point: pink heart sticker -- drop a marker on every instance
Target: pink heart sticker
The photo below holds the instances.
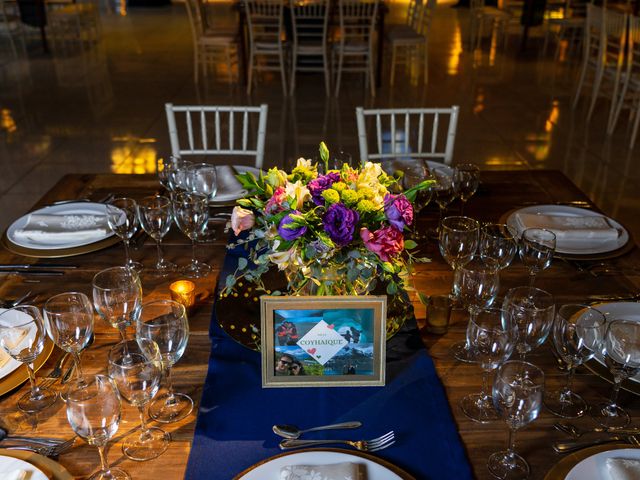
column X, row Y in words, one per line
column 331, row 326
column 311, row 351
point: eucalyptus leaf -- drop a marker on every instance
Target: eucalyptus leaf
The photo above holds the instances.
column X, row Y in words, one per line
column 242, row 263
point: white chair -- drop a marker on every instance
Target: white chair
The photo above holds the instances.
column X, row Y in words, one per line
column 480, row 15
column 266, row 38
column 565, row 25
column 426, row 133
column 11, row 31
column 218, row 131
column 354, row 51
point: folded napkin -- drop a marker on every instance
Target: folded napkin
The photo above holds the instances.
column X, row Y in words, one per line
column 569, row 228
column 337, row 471
column 49, row 229
column 14, row 475
column 229, row 187
column 4, row 358
column 623, row 468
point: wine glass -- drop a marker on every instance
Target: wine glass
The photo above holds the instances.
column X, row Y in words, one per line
column 165, row 323
column 577, row 336
column 94, row 411
column 22, row 336
column 117, row 296
column 532, row 310
column 191, row 212
column 621, row 349
column 466, row 178
column 497, row 241
column 443, row 190
column 492, row 338
column 178, row 175
column 136, row 368
column 415, row 173
column 537, row 246
column 123, row 221
column 155, row 215
column 201, row 178
column 69, row 319
column 458, row 241
column 517, row 396
column 163, row 170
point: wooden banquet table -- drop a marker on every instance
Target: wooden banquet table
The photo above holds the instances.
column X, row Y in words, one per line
column 500, row 192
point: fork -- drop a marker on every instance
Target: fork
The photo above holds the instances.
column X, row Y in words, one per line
column 55, row 374
column 47, row 451
column 372, row 445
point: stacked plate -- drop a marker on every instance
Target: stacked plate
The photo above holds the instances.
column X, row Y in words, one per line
column 18, row 465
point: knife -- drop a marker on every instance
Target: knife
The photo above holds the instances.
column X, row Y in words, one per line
column 33, row 272
column 29, row 266
column 572, row 446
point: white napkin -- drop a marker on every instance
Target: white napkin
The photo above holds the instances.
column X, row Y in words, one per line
column 569, row 228
column 336, row 471
column 229, row 188
column 623, row 468
column 4, row 357
column 14, row 475
column 48, row 229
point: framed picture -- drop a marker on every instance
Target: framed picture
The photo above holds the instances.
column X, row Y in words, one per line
column 323, row 341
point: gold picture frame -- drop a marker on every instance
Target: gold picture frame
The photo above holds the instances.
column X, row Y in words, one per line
column 328, row 341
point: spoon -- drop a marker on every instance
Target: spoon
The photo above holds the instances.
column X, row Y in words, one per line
column 293, row 432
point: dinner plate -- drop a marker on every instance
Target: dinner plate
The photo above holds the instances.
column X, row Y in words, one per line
column 561, row 469
column 11, row 364
column 236, row 194
column 10, row 464
column 593, row 467
column 52, row 469
column 376, row 468
column 572, row 247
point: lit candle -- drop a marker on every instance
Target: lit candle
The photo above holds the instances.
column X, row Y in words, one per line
column 184, row 292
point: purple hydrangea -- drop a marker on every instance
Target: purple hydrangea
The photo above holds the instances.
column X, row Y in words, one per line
column 320, row 184
column 340, row 223
column 289, row 233
column 398, row 210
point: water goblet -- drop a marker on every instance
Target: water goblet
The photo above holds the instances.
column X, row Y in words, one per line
column 577, row 336
column 492, row 338
column 22, row 336
column 621, row 349
column 498, row 242
column 123, row 221
column 163, row 171
column 136, row 368
column 532, row 310
column 458, row 241
column 202, row 179
column 443, row 190
column 94, row 411
column 117, row 296
column 178, row 175
column 191, row 212
column 165, row 323
column 466, row 178
column 537, row 246
column 155, row 215
column 517, row 396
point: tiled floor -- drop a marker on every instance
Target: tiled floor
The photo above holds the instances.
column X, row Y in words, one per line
column 104, row 111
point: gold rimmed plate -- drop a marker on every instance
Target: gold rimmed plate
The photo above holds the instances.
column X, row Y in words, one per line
column 20, row 374
column 52, row 469
column 561, row 470
column 58, row 252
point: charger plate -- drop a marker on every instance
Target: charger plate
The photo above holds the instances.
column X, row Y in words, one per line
column 20, row 374
column 561, row 469
column 50, row 468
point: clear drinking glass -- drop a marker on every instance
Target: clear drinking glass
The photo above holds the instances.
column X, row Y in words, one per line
column 202, row 179
column 155, row 215
column 163, row 167
column 532, row 310
column 621, row 349
column 136, row 368
column 69, row 319
column 537, row 246
column 517, row 396
column 443, row 190
column 165, row 323
column 22, row 336
column 123, row 221
column 458, row 241
column 117, row 296
column 498, row 242
column 577, row 336
column 492, row 339
column 191, row 212
column 178, row 175
column 93, row 411
column 466, row 179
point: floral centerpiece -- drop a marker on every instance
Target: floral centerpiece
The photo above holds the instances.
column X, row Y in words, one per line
column 334, row 233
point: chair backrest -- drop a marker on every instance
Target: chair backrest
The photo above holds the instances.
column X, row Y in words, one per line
column 423, row 17
column 310, row 21
column 614, row 38
column 357, row 21
column 428, row 133
column 194, row 12
column 265, row 21
column 218, row 130
column 412, row 9
column 593, row 32
column 633, row 57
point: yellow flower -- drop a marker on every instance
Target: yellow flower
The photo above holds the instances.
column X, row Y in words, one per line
column 331, row 196
column 276, row 178
column 339, row 186
column 298, row 192
column 366, row 206
column 349, row 197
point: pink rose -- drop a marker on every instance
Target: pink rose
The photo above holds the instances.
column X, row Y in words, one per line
column 242, row 219
column 274, row 205
column 386, row 242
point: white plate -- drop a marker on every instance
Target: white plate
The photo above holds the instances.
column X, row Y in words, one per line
column 10, row 366
column 588, row 247
column 593, row 467
column 231, row 196
column 9, row 464
column 78, row 208
column 270, row 470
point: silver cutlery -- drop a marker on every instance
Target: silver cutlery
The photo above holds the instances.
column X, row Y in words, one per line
column 45, row 441
column 631, row 296
column 71, row 200
column 33, row 272
column 572, row 446
column 47, row 451
column 293, row 432
column 576, row 432
column 17, row 301
column 56, row 373
column 372, row 445
column 27, row 266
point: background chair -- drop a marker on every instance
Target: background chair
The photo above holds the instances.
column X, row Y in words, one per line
column 408, row 133
column 11, row 33
column 565, row 26
column 480, row 15
column 218, row 131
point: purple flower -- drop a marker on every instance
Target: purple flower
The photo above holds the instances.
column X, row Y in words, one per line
column 340, row 223
column 320, row 184
column 398, row 210
column 290, row 233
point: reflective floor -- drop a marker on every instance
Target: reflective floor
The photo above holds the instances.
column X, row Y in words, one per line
column 102, row 111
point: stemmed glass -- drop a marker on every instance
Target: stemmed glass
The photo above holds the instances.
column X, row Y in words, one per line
column 165, row 323
column 497, row 242
column 532, row 310
column 621, row 349
column 577, row 336
column 94, row 411
column 117, row 296
column 136, row 368
column 443, row 190
column 466, row 178
column 178, row 175
column 22, row 336
column 163, row 170
column 458, row 241
column 69, row 319
column 414, row 174
column 191, row 212
column 537, row 246
column 492, row 339
column 517, row 396
column 202, row 178
column 155, row 215
column 123, row 221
